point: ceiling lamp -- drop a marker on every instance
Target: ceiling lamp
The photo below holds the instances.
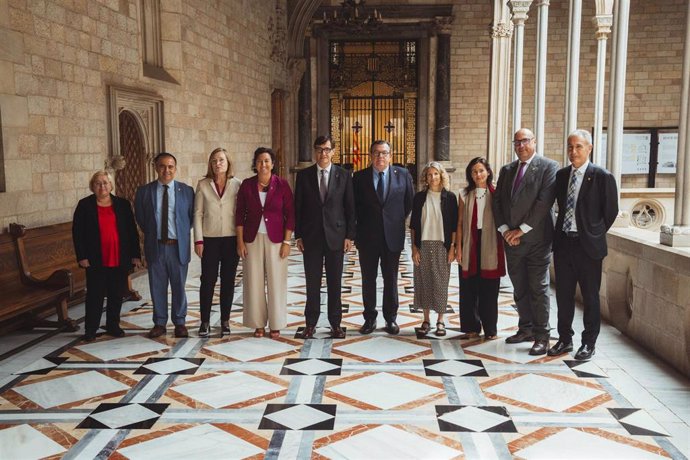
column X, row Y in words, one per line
column 353, row 16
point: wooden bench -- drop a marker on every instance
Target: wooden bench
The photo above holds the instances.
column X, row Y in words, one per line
column 50, row 247
column 25, row 292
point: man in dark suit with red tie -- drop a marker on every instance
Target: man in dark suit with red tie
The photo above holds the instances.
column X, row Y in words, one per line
column 324, row 229
column 383, row 200
column 587, row 199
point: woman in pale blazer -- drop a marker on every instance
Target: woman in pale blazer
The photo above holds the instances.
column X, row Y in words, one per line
column 215, row 239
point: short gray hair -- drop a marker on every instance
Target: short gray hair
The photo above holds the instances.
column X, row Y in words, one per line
column 583, row 133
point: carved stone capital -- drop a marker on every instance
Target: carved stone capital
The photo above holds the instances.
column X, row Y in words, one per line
column 295, row 71
column 603, row 23
column 519, row 10
column 442, row 25
column 502, row 30
column 541, row 3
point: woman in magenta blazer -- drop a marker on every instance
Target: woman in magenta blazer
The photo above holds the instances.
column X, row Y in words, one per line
column 265, row 219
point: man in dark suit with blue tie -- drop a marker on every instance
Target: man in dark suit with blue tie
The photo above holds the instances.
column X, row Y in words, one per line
column 324, row 230
column 383, row 200
column 522, row 211
column 587, row 199
column 164, row 210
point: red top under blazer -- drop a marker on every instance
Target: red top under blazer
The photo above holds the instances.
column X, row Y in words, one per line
column 278, row 213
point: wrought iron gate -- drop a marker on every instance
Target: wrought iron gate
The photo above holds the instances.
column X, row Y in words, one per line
column 373, row 95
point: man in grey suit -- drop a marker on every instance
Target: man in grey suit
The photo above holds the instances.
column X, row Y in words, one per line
column 324, row 229
column 522, row 209
column 164, row 210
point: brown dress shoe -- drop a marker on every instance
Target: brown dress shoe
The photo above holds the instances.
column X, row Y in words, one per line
column 156, row 331
column 181, row 331
column 337, row 332
column 308, row 332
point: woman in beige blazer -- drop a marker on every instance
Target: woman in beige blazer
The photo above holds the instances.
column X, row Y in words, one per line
column 215, row 239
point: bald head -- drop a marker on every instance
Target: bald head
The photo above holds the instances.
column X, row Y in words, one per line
column 524, row 144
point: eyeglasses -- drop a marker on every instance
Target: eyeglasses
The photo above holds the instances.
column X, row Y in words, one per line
column 380, row 154
column 525, row 141
column 325, row 150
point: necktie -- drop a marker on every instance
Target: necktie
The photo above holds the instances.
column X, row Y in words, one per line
column 379, row 187
column 164, row 214
column 323, row 186
column 520, row 174
column 570, row 203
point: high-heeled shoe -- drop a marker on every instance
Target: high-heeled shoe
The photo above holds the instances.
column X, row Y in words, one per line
column 274, row 334
column 259, row 332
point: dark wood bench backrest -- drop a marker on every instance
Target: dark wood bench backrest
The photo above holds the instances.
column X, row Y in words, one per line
column 9, row 268
column 49, row 248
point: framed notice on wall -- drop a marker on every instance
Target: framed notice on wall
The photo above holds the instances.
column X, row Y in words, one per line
column 649, row 151
column 636, row 148
column 668, row 153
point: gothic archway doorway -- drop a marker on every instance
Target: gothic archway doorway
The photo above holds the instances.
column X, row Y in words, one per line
column 373, row 88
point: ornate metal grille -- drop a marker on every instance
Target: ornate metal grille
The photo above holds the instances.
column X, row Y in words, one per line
column 132, row 149
column 373, row 88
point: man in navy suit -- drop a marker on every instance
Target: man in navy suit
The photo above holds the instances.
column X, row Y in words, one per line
column 522, row 211
column 587, row 199
column 324, row 230
column 383, row 200
column 164, row 210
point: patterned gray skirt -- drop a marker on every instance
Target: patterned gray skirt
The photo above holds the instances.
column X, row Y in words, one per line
column 431, row 277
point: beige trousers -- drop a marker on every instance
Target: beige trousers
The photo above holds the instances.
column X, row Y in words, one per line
column 265, row 285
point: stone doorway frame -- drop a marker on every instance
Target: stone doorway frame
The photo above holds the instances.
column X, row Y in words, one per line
column 147, row 109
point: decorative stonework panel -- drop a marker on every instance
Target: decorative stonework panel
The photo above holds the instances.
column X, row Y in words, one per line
column 647, row 214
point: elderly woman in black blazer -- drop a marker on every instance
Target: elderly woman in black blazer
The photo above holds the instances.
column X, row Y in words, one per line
column 432, row 229
column 106, row 244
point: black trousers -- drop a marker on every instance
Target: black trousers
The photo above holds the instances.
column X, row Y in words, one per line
column 102, row 282
column 478, row 300
column 317, row 255
column 218, row 251
column 573, row 266
column 369, row 258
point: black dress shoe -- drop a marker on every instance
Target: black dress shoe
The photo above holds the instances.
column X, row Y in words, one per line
column 337, row 332
column 204, row 330
column 539, row 347
column 585, row 352
column 308, row 332
column 368, row 327
column 520, row 337
column 224, row 328
column 392, row 327
column 560, row 348
column 115, row 331
column 89, row 337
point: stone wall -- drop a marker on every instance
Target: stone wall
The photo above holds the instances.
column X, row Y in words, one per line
column 654, row 68
column 645, row 294
column 57, row 58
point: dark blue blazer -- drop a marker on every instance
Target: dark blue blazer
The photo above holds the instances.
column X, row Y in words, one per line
column 145, row 212
column 389, row 217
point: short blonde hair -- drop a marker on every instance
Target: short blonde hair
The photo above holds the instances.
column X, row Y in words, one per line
column 98, row 174
column 209, row 169
column 445, row 180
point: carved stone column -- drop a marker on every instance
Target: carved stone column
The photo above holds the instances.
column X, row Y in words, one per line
column 540, row 83
column 501, row 31
column 572, row 73
column 617, row 93
column 442, row 106
column 304, row 111
column 602, row 21
column 679, row 234
column 519, row 9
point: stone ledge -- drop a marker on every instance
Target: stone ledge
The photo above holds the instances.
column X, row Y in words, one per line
column 646, row 293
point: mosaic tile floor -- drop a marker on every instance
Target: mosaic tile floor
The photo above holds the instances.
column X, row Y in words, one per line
column 362, row 397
